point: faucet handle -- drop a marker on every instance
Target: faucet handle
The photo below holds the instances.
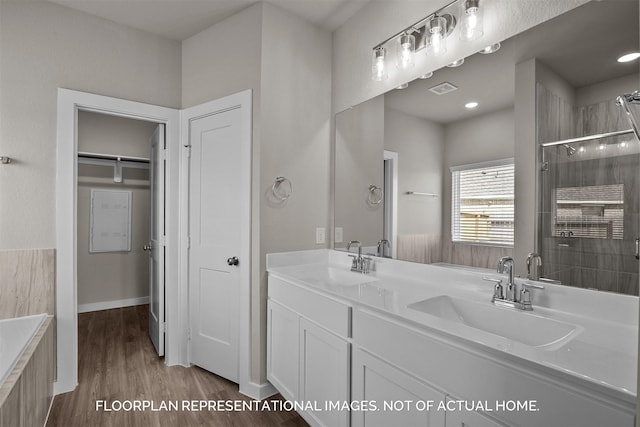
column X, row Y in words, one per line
column 497, row 290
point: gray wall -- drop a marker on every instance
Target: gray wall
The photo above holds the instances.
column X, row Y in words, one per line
column 420, row 146
column 360, row 137
column 44, row 46
column 104, row 277
column 286, row 62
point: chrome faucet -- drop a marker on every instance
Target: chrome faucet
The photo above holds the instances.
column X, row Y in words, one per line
column 510, row 297
column 505, row 266
column 538, row 263
column 359, row 264
column 381, row 245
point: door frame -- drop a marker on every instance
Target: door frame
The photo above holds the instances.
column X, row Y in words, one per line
column 69, row 103
column 391, row 202
column 243, row 101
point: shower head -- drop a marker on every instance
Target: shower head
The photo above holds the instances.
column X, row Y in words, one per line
column 624, row 101
column 570, row 150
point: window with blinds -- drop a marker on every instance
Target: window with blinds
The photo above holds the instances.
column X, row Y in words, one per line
column 482, row 203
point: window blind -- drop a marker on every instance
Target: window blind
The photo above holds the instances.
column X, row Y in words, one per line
column 482, row 203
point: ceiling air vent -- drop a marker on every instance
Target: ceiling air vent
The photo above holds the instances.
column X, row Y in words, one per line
column 443, row 88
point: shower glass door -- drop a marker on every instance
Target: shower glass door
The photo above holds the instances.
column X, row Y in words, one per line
column 588, row 196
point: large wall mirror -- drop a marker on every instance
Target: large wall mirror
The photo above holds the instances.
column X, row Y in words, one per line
column 430, row 168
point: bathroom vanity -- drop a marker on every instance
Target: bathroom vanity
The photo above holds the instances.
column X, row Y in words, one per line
column 412, row 344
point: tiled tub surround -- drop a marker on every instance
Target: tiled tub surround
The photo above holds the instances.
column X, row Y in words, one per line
column 596, row 362
column 27, row 282
column 27, row 391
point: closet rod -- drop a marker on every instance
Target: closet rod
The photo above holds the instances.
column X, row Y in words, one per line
column 99, row 156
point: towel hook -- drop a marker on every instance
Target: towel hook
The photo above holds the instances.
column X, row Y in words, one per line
column 5, row 160
column 376, row 194
column 282, row 188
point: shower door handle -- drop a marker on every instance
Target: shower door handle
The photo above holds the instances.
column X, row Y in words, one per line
column 637, row 248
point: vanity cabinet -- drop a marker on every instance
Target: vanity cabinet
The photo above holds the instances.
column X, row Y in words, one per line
column 377, row 381
column 283, row 349
column 324, row 350
column 308, row 351
column 481, row 377
column 324, row 373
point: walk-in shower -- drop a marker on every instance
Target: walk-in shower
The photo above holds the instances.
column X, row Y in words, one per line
column 589, row 192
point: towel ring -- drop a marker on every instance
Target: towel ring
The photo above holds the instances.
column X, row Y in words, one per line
column 282, row 188
column 376, row 194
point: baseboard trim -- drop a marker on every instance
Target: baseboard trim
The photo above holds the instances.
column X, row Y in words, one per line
column 107, row 305
column 258, row 391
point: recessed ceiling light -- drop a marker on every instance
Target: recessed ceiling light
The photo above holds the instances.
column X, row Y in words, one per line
column 426, row 76
column 629, row 57
column 490, row 49
column 457, row 63
column 471, row 105
column 403, row 86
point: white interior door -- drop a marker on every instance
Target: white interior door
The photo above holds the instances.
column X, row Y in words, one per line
column 219, row 222
column 156, row 246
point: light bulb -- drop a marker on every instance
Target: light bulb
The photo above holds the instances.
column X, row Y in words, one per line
column 406, row 50
column 437, row 35
column 378, row 69
column 471, row 21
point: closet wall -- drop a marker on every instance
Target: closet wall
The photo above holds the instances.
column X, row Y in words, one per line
column 114, row 279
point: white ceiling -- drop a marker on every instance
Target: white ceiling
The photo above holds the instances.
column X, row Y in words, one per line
column 181, row 19
column 581, row 46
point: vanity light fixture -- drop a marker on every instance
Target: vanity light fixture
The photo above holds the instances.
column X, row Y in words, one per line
column 429, row 33
column 426, row 76
column 471, row 21
column 629, row 57
column 406, row 51
column 457, row 63
column 490, row 49
column 471, row 105
column 378, row 69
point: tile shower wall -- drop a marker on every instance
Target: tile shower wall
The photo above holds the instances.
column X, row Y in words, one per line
column 601, row 263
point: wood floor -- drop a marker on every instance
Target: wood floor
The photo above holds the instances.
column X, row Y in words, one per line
column 117, row 362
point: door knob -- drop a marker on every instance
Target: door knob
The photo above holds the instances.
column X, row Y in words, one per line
column 233, row 260
column 147, row 247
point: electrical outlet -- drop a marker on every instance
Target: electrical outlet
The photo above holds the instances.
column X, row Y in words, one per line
column 338, row 235
column 320, row 235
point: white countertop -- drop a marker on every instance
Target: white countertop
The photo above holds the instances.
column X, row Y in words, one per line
column 602, row 351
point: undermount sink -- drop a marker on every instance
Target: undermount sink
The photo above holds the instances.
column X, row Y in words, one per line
column 516, row 325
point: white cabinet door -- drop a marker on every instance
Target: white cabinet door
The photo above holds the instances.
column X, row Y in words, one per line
column 283, row 349
column 376, row 381
column 469, row 419
column 324, row 372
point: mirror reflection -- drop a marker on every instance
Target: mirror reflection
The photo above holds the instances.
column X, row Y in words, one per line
column 426, row 173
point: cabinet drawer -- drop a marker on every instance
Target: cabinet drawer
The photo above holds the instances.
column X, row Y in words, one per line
column 329, row 313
